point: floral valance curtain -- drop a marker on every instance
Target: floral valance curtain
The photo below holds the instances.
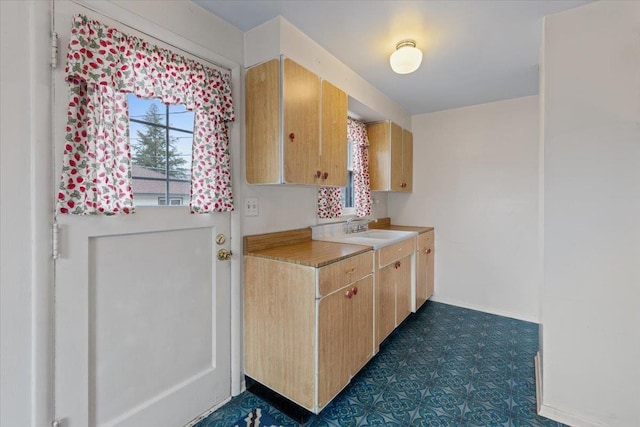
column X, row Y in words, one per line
column 357, row 133
column 103, row 65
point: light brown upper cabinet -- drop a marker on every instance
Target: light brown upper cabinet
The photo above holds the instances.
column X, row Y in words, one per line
column 390, row 157
column 296, row 126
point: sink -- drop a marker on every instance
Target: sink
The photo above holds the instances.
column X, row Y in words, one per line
column 376, row 238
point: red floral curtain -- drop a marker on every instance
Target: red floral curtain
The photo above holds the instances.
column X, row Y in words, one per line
column 329, row 202
column 357, row 133
column 103, row 65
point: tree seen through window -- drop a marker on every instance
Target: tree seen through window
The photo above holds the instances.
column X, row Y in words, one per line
column 161, row 138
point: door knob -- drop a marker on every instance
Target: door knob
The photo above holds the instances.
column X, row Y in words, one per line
column 224, row 255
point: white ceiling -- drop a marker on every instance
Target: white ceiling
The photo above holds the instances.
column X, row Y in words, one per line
column 474, row 51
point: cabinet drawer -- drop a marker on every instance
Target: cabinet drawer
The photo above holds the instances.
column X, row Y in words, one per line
column 394, row 252
column 335, row 276
column 425, row 243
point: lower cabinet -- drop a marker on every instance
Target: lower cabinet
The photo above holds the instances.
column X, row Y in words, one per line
column 425, row 252
column 308, row 330
column 345, row 336
column 393, row 286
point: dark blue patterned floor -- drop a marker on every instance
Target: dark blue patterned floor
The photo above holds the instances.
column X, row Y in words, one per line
column 444, row 366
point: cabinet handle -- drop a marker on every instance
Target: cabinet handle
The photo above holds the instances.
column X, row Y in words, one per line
column 429, row 250
column 349, row 294
column 397, row 265
column 355, row 290
column 292, row 136
column 318, row 174
column 351, row 271
column 325, row 175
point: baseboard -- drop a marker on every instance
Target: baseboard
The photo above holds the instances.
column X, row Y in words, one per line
column 538, row 375
column 567, row 417
column 509, row 314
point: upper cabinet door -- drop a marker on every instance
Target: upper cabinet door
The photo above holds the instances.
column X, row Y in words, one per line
column 390, row 157
column 296, row 126
column 407, row 161
column 262, row 105
column 379, row 155
column 333, row 150
column 397, row 174
column 301, row 108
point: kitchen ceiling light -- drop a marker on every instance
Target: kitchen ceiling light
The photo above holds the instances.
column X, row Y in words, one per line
column 407, row 57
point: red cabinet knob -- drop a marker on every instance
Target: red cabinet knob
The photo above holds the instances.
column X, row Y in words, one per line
column 325, row 175
column 318, row 174
column 355, row 291
column 348, row 294
column 292, row 136
column 429, row 250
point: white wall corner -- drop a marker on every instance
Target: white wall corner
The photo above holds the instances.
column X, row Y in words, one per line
column 262, row 43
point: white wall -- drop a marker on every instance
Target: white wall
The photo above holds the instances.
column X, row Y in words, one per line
column 591, row 292
column 475, row 179
column 287, row 207
column 26, row 203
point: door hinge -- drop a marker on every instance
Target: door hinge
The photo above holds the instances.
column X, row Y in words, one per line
column 54, row 240
column 54, row 49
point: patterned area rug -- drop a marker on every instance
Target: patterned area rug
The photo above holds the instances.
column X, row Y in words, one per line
column 256, row 418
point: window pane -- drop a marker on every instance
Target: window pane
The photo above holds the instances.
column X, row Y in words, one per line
column 347, row 192
column 181, row 118
column 161, row 155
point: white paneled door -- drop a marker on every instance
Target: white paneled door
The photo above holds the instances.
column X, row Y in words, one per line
column 142, row 306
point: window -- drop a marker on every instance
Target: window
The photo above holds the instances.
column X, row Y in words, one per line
column 347, row 192
column 161, row 137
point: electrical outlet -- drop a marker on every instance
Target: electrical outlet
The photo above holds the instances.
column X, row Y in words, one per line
column 251, row 206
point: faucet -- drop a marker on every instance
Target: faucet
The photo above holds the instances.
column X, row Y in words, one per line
column 361, row 226
column 349, row 221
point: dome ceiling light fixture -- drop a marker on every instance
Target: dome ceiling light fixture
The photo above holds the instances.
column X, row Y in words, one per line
column 407, row 57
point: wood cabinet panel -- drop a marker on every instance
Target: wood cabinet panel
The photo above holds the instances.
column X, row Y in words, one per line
column 390, row 157
column 336, row 275
column 301, row 108
column 431, row 253
column 397, row 174
column 424, row 268
column 407, row 161
column 333, row 148
column 403, row 289
column 361, row 339
column 379, row 155
column 334, row 357
column 396, row 251
column 345, row 336
column 385, row 302
column 304, row 347
column 421, row 269
column 262, row 115
column 279, row 327
column 296, row 126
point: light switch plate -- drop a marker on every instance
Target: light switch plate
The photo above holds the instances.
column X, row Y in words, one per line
column 251, row 206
